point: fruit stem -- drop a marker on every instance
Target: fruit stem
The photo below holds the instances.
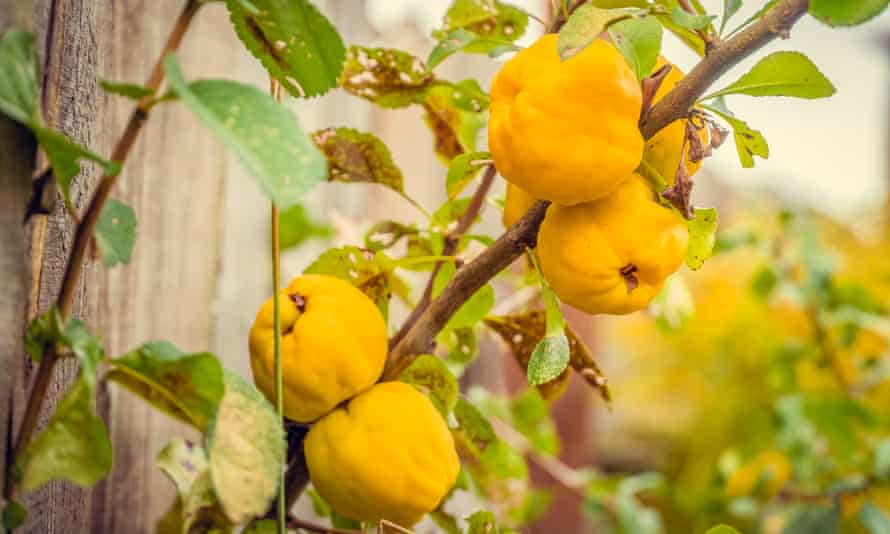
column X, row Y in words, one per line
column 275, row 90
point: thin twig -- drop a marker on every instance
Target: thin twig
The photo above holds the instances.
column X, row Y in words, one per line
column 84, row 232
column 451, row 241
column 275, row 90
column 675, row 105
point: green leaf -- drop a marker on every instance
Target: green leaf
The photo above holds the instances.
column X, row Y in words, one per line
column 489, row 20
column 722, row 529
column 14, row 515
column 264, row 135
column 245, row 445
column 115, row 232
column 49, row 328
column 463, row 169
column 549, row 359
column 530, row 414
column 473, row 310
column 702, row 235
column 188, row 387
column 730, row 8
column 873, row 519
column 756, row 16
column 183, row 462
column 781, row 74
column 74, row 446
column 433, row 376
column 692, row 22
column 465, row 12
column 296, row 227
column 19, row 75
column 748, row 142
column 469, row 96
column 523, row 332
column 363, row 269
column 482, row 522
column 639, row 41
column 846, row 12
column 586, row 24
column 389, row 77
column 296, row 43
column 454, row 129
column 128, row 90
column 473, row 425
column 467, row 41
column 813, row 520
column 355, row 156
column 65, row 158
column 673, row 306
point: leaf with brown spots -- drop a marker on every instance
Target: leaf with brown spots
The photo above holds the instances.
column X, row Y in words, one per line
column 389, row 77
column 522, row 332
column 296, row 43
column 355, row 156
column 454, row 129
column 369, row 272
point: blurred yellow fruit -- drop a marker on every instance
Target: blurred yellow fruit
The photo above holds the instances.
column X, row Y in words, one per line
column 333, row 345
column 566, row 131
column 765, row 475
column 516, row 204
column 387, row 454
column 664, row 149
column 611, row 255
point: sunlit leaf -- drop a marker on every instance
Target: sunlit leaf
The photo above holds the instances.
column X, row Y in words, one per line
column 467, row 41
column 586, row 24
column 463, row 169
column 245, row 446
column 362, row 268
column 702, row 235
column 188, row 387
column 115, row 232
column 673, row 306
column 689, row 21
column 296, row 43
column 474, row 309
column 482, row 522
column 185, row 464
column 73, row 446
column 639, row 41
column 264, row 135
column 50, row 329
column 730, row 8
column 454, row 129
column 781, row 74
column 846, row 12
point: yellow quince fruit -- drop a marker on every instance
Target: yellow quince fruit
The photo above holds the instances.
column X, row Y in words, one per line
column 333, row 345
column 387, row 454
column 516, row 203
column 614, row 254
column 566, row 131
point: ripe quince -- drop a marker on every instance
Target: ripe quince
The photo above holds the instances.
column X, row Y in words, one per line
column 333, row 345
column 611, row 255
column 566, row 131
column 516, row 203
column 765, row 474
column 387, row 454
column 664, row 149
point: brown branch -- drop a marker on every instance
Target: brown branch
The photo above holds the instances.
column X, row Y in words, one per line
column 84, row 232
column 675, row 105
column 451, row 241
